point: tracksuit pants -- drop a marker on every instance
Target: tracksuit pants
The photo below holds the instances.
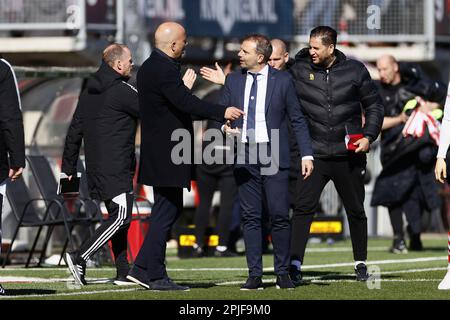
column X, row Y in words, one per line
column 115, row 228
column 347, row 173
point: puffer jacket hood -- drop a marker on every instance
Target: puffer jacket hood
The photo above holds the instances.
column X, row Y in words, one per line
column 103, row 79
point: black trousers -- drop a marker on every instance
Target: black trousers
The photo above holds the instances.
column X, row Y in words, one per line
column 207, row 184
column 412, row 207
column 347, row 173
column 115, row 228
column 251, row 188
column 166, row 210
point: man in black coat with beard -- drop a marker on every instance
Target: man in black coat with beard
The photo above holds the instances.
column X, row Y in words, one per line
column 335, row 93
column 166, row 110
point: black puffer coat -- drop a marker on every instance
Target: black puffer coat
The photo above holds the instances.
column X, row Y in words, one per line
column 336, row 98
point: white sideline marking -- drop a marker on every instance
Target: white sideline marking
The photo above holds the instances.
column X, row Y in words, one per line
column 11, row 279
column 319, row 266
column 271, row 281
column 343, row 249
column 319, row 278
column 306, row 267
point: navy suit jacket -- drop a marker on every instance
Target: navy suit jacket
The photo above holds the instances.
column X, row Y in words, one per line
column 282, row 105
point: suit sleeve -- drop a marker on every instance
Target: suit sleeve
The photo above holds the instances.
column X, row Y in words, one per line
column 179, row 95
column 73, row 143
column 11, row 121
column 298, row 120
column 371, row 104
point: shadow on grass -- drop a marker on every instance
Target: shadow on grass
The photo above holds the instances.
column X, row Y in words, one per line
column 28, row 292
column 198, row 285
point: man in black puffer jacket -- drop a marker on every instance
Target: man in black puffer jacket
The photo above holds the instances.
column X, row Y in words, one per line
column 106, row 119
column 12, row 146
column 335, row 93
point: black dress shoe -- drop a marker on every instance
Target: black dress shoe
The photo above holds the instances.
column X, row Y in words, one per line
column 295, row 275
column 253, row 283
column 284, row 282
column 361, row 272
column 166, row 284
column 139, row 277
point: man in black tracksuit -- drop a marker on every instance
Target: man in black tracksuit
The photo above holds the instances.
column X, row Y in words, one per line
column 12, row 145
column 334, row 92
column 106, row 119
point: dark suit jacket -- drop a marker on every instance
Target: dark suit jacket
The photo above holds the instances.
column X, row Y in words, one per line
column 166, row 105
column 281, row 103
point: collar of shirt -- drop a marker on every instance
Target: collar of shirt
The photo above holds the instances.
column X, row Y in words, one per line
column 263, row 72
column 176, row 62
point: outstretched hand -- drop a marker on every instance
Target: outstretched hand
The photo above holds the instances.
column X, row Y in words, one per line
column 214, row 75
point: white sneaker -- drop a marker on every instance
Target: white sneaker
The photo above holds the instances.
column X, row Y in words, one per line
column 445, row 283
column 2, row 291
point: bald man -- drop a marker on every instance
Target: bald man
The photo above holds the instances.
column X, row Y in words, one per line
column 407, row 163
column 106, row 119
column 166, row 108
column 280, row 56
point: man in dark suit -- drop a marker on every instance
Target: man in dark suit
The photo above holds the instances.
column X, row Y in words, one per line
column 268, row 99
column 166, row 109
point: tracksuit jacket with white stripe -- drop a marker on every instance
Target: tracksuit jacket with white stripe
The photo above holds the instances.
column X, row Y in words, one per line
column 11, row 123
column 106, row 119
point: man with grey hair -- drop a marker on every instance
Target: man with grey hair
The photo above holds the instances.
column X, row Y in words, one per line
column 106, row 119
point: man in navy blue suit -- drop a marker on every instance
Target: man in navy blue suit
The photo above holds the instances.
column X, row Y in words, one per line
column 268, row 98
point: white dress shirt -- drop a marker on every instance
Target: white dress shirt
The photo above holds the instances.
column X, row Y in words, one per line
column 261, row 135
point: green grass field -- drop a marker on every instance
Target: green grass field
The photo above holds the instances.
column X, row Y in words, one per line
column 328, row 272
